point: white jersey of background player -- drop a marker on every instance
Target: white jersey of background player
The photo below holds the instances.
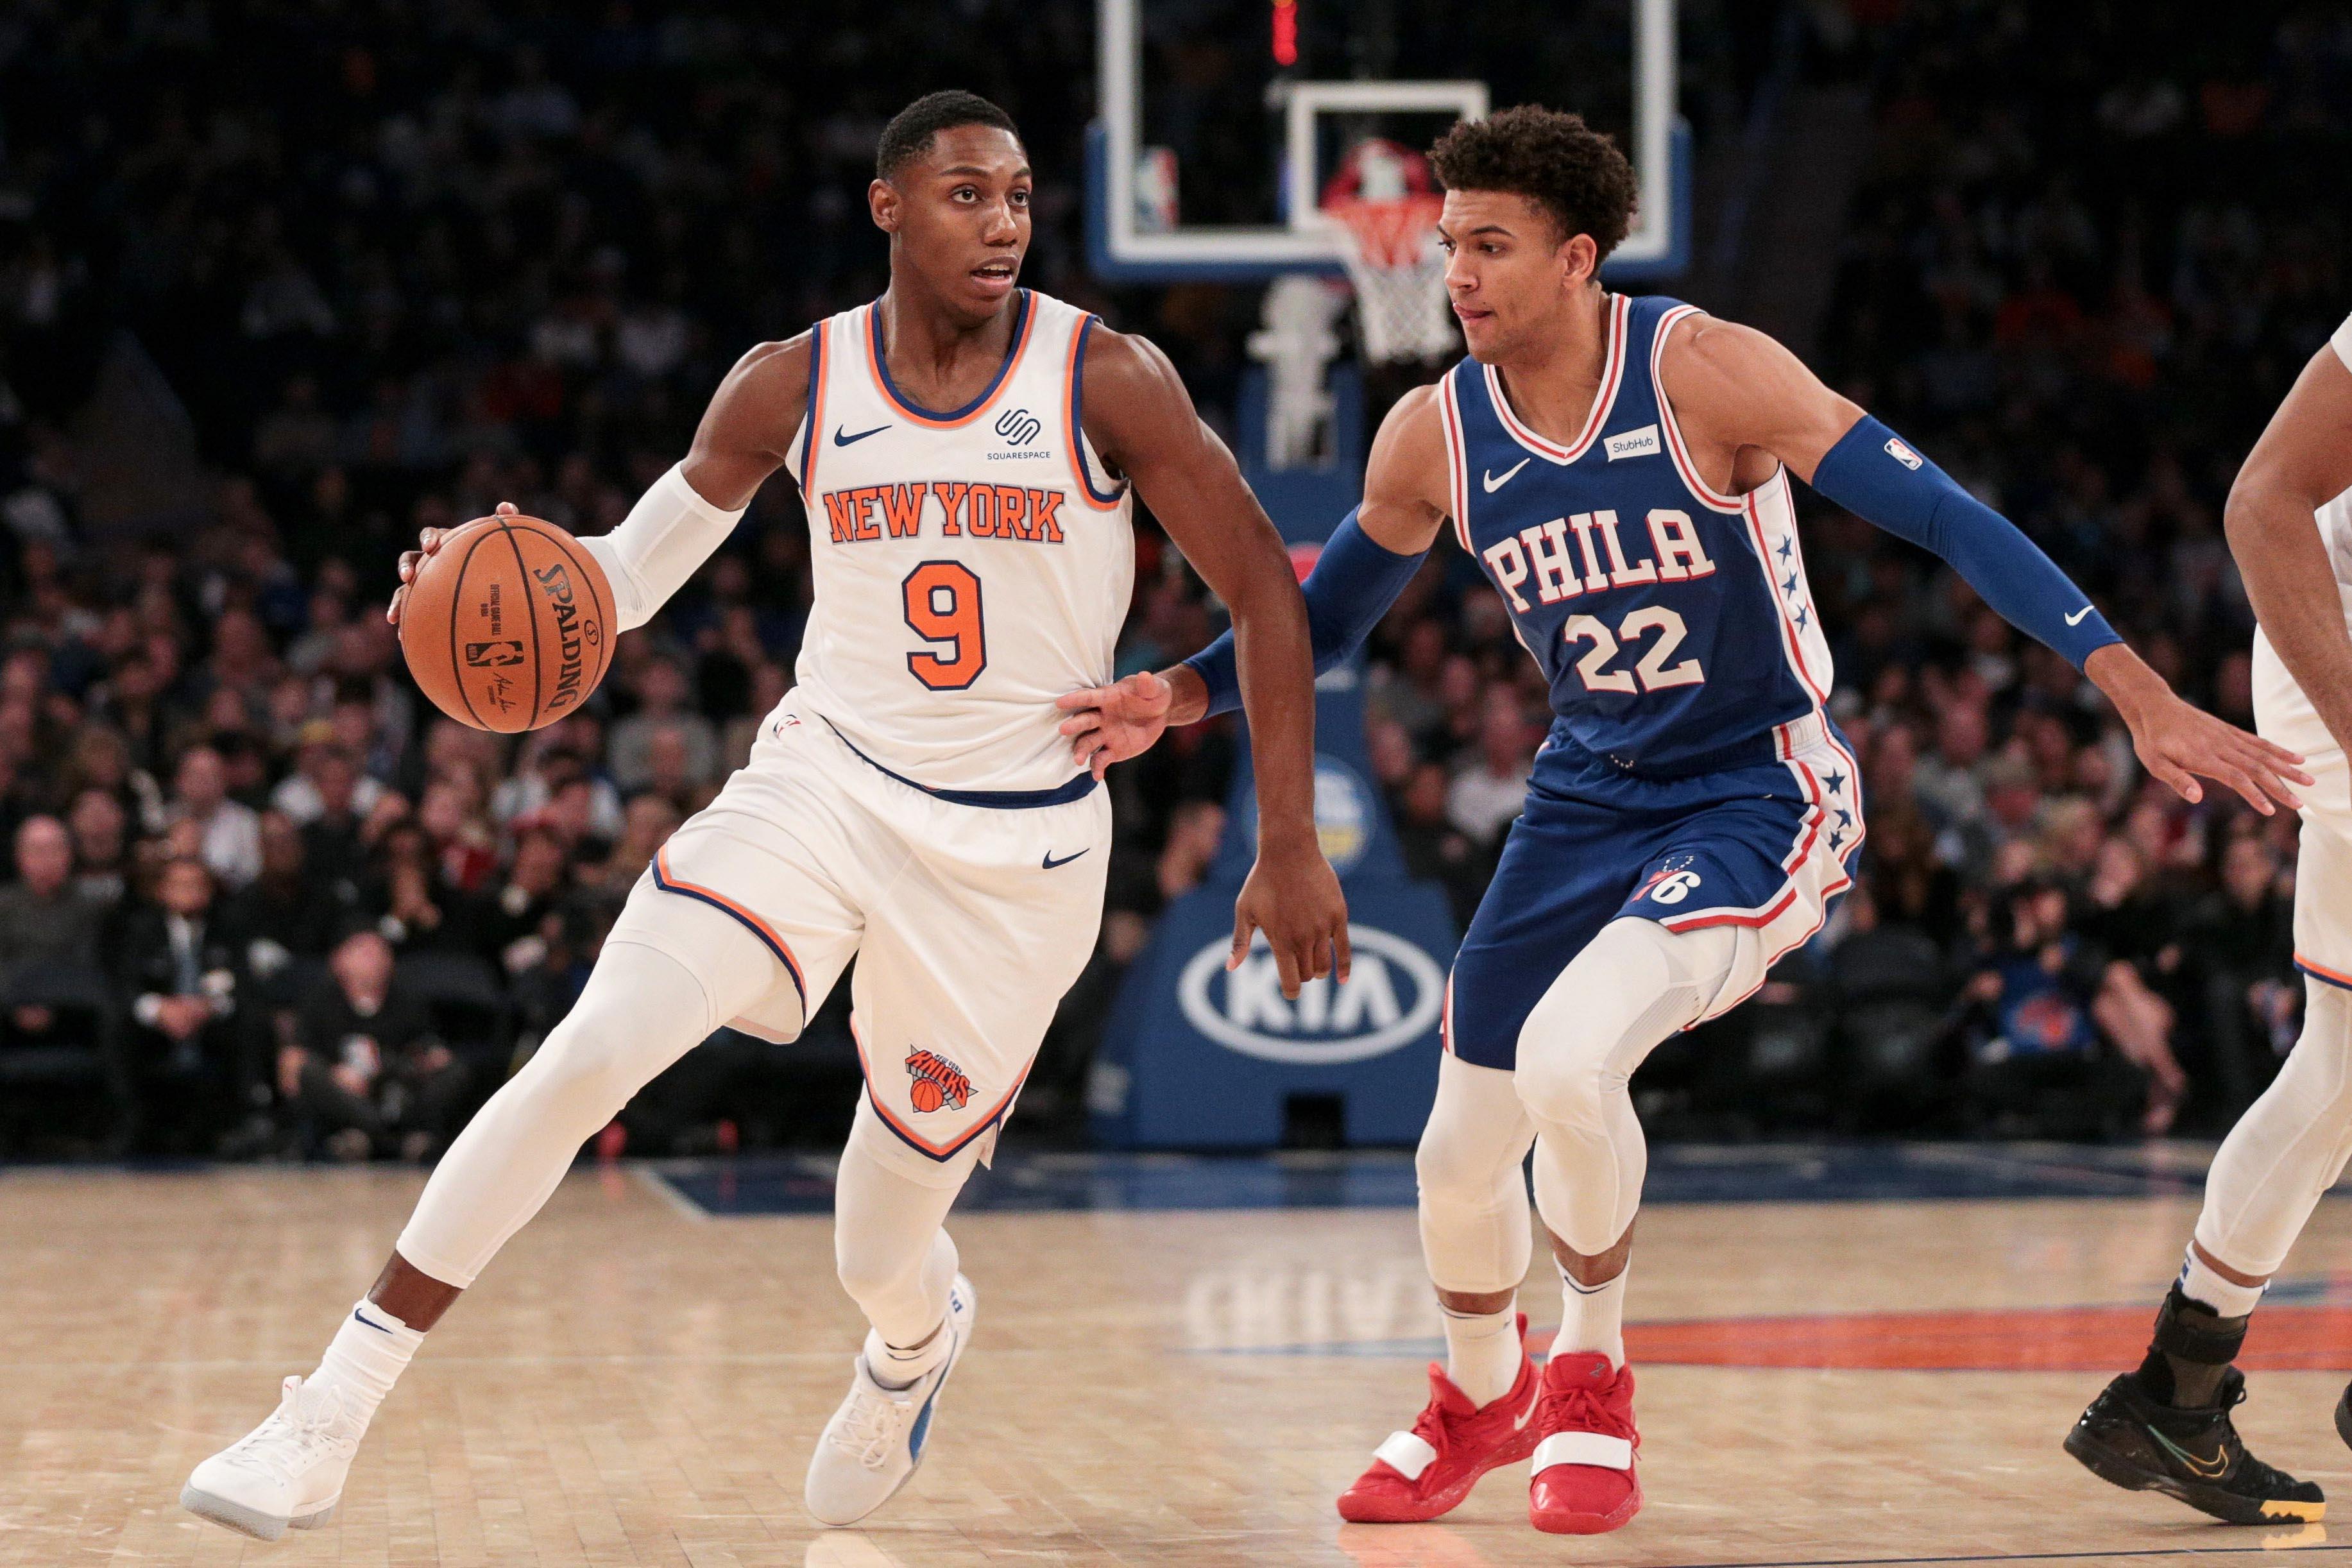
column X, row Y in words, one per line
column 964, row 448
column 2290, row 525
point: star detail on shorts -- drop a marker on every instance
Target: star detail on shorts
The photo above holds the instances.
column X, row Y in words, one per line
column 1802, row 614
column 1845, row 819
column 1836, row 783
column 1788, row 548
column 1790, row 585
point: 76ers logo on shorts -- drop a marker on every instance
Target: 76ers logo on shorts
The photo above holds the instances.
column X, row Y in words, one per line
column 938, row 1083
column 1672, row 882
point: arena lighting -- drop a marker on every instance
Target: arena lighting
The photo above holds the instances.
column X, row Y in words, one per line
column 1286, row 32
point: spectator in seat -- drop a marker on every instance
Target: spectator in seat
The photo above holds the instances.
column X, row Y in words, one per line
column 513, row 930
column 186, row 1049
column 2240, row 940
column 661, row 691
column 1486, row 795
column 284, row 914
column 50, row 984
column 363, row 1070
column 229, row 834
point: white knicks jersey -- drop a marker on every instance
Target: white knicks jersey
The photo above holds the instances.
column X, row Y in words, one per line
column 2335, row 516
column 971, row 565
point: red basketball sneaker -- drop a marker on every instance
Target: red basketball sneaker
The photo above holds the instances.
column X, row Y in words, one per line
column 1427, row 1471
column 1583, row 1481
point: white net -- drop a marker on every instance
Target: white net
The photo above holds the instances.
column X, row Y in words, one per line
column 1386, row 217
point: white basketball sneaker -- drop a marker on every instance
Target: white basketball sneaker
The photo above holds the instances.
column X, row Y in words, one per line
column 287, row 1473
column 876, row 1439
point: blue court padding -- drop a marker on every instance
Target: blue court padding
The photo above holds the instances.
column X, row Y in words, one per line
column 1679, row 1173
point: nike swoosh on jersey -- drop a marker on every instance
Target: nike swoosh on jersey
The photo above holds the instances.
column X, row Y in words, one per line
column 1050, row 862
column 1494, row 484
column 841, row 440
column 2076, row 618
column 2219, row 1463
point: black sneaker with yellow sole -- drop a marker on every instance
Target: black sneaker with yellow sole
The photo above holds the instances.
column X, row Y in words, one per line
column 2142, row 1444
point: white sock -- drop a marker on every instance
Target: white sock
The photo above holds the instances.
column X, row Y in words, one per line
column 2228, row 1299
column 1483, row 1352
column 366, row 1357
column 1592, row 1317
column 896, row 1368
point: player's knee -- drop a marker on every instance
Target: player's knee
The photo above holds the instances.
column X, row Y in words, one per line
column 1457, row 1165
column 640, row 1011
column 1564, row 1080
column 868, row 1271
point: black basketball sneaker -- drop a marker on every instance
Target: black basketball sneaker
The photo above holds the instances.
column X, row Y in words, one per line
column 2141, row 1444
column 2344, row 1417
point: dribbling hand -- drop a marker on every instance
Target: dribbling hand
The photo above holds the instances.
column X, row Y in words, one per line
column 427, row 541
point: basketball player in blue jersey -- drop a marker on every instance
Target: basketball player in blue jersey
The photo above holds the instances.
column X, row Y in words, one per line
column 1622, row 468
column 967, row 450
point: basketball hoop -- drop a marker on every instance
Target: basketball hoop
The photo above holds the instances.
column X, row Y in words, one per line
column 1386, row 213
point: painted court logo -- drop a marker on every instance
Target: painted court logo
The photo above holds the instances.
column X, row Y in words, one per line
column 938, row 1083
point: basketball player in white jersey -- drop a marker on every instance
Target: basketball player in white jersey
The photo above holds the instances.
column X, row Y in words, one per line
column 2165, row 1426
column 967, row 450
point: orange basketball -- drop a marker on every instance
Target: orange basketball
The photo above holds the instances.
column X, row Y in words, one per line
column 926, row 1095
column 509, row 625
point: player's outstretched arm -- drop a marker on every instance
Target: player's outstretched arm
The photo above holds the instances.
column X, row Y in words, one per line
column 1738, row 388
column 1141, row 420
column 1362, row 568
column 745, row 435
column 2302, row 461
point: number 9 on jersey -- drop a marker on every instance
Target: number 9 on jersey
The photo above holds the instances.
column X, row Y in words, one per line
column 943, row 608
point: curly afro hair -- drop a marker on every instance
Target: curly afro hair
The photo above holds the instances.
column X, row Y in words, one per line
column 1553, row 159
column 910, row 134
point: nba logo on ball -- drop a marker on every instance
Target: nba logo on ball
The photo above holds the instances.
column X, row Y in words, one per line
column 938, row 1083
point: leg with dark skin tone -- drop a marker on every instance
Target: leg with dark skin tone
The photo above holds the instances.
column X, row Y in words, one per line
column 410, row 1294
column 1597, row 1268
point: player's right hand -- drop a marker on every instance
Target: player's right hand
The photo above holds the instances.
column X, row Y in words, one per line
column 1111, row 723
column 427, row 541
column 1293, row 896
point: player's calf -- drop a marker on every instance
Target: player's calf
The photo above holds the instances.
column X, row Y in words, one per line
column 2166, row 1426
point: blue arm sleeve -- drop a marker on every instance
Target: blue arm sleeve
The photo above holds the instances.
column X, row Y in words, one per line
column 1875, row 474
column 1354, row 582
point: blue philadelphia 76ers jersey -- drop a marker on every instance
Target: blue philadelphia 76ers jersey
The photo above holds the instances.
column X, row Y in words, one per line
column 1674, row 623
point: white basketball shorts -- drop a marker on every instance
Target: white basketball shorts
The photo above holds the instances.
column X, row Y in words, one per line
column 967, row 922
column 2322, row 878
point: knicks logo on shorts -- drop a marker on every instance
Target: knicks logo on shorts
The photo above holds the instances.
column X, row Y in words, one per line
column 938, row 1083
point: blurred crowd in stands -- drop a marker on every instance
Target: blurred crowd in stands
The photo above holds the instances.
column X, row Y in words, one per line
column 400, row 261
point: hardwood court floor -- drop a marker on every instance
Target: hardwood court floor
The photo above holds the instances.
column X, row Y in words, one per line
column 633, row 1384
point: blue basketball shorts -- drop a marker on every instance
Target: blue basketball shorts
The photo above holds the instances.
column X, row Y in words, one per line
column 1769, row 847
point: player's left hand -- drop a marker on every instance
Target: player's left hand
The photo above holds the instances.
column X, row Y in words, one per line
column 2180, row 743
column 1293, row 896
column 1111, row 723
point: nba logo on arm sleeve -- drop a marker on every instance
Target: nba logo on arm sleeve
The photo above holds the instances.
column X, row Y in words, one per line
column 1902, row 453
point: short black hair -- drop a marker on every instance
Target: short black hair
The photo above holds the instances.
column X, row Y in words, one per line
column 908, row 134
column 1553, row 159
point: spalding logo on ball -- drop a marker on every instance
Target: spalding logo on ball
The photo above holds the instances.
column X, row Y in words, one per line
column 507, row 626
